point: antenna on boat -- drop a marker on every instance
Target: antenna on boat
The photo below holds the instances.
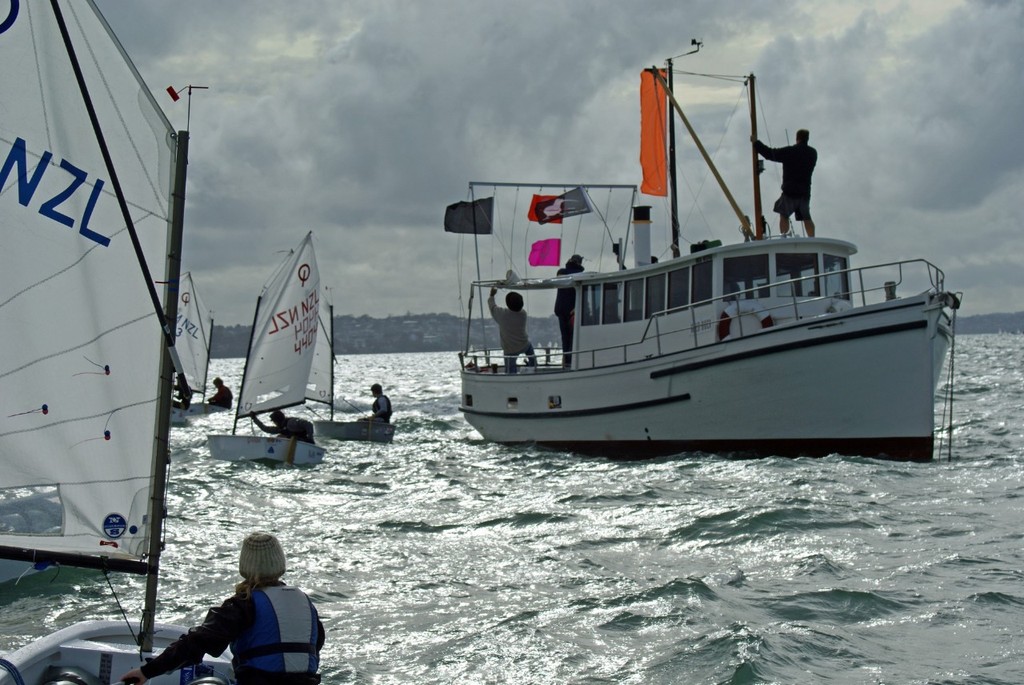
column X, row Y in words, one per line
column 673, row 202
column 176, row 95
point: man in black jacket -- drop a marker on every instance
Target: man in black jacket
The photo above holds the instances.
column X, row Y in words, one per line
column 565, row 307
column 797, row 166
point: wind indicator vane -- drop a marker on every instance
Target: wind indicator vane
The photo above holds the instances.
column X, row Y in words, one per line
column 176, row 95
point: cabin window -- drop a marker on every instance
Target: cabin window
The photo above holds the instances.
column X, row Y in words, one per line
column 610, row 303
column 634, row 309
column 591, row 305
column 745, row 274
column 679, row 288
column 702, row 281
column 797, row 266
column 837, row 280
column 655, row 295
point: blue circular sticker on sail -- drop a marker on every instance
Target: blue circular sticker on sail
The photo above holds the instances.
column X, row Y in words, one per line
column 12, row 16
column 114, row 526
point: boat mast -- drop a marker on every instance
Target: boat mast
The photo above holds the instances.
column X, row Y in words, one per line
column 673, row 196
column 744, row 220
column 161, row 451
column 245, row 368
column 673, row 200
column 209, row 349
column 330, row 314
column 758, row 212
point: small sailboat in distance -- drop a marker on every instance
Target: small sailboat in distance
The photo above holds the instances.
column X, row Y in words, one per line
column 321, row 389
column 193, row 338
column 277, row 365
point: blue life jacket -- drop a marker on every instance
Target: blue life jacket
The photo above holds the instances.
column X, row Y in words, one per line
column 283, row 637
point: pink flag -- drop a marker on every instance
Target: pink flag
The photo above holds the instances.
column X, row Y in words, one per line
column 546, row 252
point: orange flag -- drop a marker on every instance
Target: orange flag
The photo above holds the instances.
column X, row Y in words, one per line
column 653, row 156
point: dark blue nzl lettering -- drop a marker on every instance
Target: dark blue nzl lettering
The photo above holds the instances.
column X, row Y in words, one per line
column 185, row 325
column 27, row 188
column 11, row 17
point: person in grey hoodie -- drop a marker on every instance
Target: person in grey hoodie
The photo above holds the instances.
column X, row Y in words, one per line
column 512, row 329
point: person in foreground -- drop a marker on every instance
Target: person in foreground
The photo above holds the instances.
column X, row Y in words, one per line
column 512, row 330
column 798, row 163
column 221, row 398
column 274, row 631
column 381, row 405
column 286, row 426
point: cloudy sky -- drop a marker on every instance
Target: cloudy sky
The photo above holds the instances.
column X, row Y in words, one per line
column 362, row 119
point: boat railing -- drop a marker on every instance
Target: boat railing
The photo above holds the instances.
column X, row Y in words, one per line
column 875, row 283
column 697, row 324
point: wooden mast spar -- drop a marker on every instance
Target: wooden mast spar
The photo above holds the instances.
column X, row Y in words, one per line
column 744, row 220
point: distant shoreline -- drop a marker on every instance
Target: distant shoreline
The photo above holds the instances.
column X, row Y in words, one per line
column 447, row 333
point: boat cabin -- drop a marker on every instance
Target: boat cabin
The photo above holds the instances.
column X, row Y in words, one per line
column 713, row 294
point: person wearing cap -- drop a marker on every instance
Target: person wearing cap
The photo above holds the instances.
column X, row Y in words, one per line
column 286, row 426
column 221, row 398
column 381, row 405
column 565, row 307
column 274, row 630
column 512, row 330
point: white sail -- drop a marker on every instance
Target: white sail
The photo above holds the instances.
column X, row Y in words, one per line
column 192, row 335
column 80, row 342
column 319, row 388
column 284, row 335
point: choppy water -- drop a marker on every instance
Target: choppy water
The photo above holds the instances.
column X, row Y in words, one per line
column 444, row 559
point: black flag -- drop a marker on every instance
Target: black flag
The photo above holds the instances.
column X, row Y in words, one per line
column 469, row 217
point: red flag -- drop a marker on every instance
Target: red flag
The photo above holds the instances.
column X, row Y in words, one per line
column 551, row 209
column 533, row 214
column 173, row 93
column 546, row 252
column 653, row 157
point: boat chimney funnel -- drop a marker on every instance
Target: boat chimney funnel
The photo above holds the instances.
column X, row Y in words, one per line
column 642, row 234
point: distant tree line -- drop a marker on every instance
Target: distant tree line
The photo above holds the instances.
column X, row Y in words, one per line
column 991, row 323
column 409, row 333
column 447, row 333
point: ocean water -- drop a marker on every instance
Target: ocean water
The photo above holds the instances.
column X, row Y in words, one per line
column 442, row 558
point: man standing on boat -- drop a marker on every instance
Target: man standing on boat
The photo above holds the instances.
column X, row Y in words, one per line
column 797, row 166
column 565, row 307
column 512, row 330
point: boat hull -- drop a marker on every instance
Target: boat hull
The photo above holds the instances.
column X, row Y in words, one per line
column 253, row 448
column 180, row 417
column 856, row 383
column 367, row 431
column 102, row 649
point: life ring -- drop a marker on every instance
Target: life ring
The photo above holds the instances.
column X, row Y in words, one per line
column 742, row 307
